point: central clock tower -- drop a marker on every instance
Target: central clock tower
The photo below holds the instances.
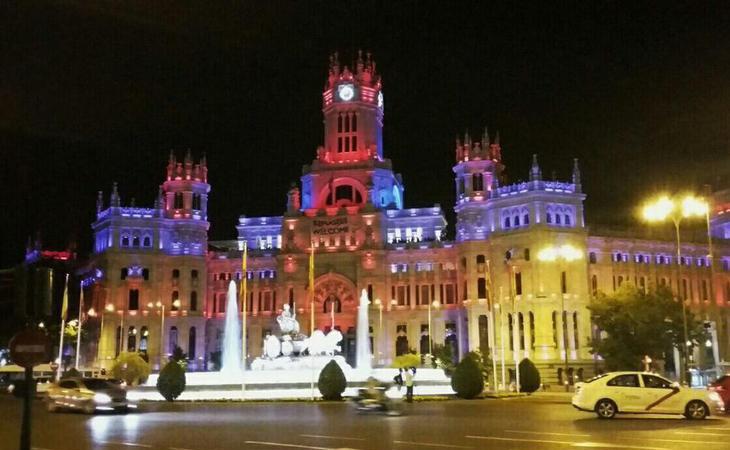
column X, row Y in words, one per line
column 352, row 103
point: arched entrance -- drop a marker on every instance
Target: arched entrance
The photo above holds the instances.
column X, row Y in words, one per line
column 336, row 308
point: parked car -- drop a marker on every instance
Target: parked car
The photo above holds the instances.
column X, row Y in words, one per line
column 643, row 393
column 722, row 387
column 88, row 395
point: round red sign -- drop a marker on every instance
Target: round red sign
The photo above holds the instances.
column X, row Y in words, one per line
column 30, row 347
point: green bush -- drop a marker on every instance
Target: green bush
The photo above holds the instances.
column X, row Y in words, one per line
column 171, row 382
column 131, row 368
column 332, row 382
column 407, row 360
column 529, row 376
column 71, row 373
column 467, row 380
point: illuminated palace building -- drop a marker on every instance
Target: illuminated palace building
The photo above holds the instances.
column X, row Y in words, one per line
column 515, row 281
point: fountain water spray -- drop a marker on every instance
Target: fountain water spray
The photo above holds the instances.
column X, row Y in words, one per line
column 231, row 353
column 363, row 356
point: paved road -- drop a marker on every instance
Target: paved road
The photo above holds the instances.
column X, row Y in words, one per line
column 526, row 423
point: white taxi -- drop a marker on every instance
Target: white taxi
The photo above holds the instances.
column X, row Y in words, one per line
column 643, row 393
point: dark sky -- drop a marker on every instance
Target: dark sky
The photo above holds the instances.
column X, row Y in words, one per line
column 93, row 92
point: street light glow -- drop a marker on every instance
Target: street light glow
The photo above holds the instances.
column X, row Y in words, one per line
column 566, row 252
column 694, row 207
column 663, row 208
column 658, row 210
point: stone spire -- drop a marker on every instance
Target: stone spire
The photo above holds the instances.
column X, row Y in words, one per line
column 114, row 200
column 99, row 201
column 535, row 172
column 576, row 175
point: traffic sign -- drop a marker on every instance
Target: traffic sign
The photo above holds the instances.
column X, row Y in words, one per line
column 30, row 347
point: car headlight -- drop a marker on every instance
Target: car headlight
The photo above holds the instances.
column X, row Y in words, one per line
column 102, row 398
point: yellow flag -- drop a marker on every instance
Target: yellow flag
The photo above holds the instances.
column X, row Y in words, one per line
column 64, row 305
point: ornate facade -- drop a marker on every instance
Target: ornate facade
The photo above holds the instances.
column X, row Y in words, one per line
column 515, row 281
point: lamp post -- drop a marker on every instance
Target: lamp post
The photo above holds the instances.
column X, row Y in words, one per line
column 159, row 305
column 379, row 304
column 564, row 253
column 661, row 210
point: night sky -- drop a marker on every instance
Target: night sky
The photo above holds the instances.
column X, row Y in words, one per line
column 96, row 92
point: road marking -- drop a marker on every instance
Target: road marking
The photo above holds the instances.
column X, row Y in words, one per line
column 717, row 428
column 280, row 444
column 429, row 444
column 698, row 433
column 322, row 436
column 178, row 448
column 678, row 441
column 547, row 433
column 572, row 444
column 127, row 444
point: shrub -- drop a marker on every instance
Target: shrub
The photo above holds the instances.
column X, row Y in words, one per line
column 71, row 373
column 180, row 357
column 171, row 382
column 467, row 380
column 443, row 358
column 529, row 376
column 407, row 360
column 131, row 368
column 332, row 382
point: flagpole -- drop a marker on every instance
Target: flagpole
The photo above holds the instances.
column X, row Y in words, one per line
column 64, row 308
column 243, row 294
column 78, row 329
column 311, row 309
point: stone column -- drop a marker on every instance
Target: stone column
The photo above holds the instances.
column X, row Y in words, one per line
column 571, row 336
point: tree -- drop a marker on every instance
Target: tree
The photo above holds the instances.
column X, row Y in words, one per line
column 634, row 323
column 443, row 358
column 467, row 380
column 529, row 376
column 180, row 357
column 171, row 382
column 332, row 382
column 131, row 368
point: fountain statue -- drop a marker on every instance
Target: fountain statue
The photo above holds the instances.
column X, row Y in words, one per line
column 287, row 321
column 363, row 355
column 231, row 352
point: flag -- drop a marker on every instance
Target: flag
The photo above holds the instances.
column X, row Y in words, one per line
column 244, row 274
column 64, row 305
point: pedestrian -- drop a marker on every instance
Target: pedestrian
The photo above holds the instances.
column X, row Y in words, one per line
column 398, row 379
column 410, row 374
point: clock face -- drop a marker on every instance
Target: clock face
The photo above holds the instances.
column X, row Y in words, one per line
column 380, row 99
column 346, row 92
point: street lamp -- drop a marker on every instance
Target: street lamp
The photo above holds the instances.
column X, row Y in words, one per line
column 660, row 210
column 566, row 253
column 159, row 305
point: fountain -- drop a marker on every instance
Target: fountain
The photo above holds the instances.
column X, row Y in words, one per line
column 290, row 364
column 231, row 352
column 363, row 361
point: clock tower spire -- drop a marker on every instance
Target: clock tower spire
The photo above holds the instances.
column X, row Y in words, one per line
column 352, row 103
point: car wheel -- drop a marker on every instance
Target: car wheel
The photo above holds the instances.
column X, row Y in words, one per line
column 696, row 410
column 606, row 409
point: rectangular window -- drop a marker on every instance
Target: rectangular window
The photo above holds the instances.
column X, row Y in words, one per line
column 481, row 287
column 133, row 299
column 425, row 294
column 563, row 282
column 518, row 283
column 449, row 294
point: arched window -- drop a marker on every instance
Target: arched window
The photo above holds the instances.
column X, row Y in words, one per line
column 339, row 123
column 144, row 339
column 549, row 218
column 521, row 324
column 557, row 219
column 477, row 182
column 135, row 241
column 172, row 341
column 193, row 301
column 174, row 299
column 526, row 219
column 125, row 241
column 484, row 334
column 594, row 285
column 516, row 221
column 567, row 219
column 178, row 200
column 592, row 257
column 347, row 123
column 510, row 323
column 118, row 341
column 506, row 222
column 532, row 331
column 194, row 274
column 146, row 274
column 353, row 123
column 331, row 302
column 175, row 273
column 124, row 273
column 132, row 339
column 191, row 343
